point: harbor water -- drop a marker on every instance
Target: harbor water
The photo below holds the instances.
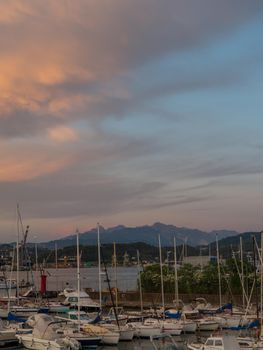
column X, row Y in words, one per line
column 142, row 344
column 61, row 278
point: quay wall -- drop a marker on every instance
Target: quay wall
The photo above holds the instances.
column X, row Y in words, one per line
column 132, row 299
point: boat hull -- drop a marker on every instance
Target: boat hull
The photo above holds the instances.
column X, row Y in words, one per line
column 126, row 334
column 207, row 326
column 189, row 327
column 29, row 342
column 110, row 338
column 143, row 331
column 8, row 338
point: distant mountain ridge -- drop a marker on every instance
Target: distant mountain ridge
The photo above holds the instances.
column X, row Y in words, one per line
column 146, row 234
column 232, row 243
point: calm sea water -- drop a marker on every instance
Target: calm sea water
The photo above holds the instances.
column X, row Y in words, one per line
column 58, row 279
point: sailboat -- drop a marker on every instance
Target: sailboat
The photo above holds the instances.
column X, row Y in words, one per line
column 15, row 308
column 115, row 321
column 141, row 329
column 46, row 334
column 169, row 326
column 73, row 328
column 108, row 337
column 188, row 325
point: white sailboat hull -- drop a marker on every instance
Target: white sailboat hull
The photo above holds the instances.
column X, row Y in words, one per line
column 189, row 327
column 172, row 328
column 145, row 331
column 29, row 342
column 110, row 338
column 126, row 334
column 207, row 326
column 235, row 322
column 167, row 326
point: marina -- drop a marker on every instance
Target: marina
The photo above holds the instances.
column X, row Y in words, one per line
column 131, row 175
column 87, row 315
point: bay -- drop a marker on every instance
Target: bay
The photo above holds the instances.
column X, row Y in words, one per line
column 63, row 277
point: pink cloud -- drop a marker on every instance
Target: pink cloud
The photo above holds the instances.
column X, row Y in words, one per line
column 62, row 134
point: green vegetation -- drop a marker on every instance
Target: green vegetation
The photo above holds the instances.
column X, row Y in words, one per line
column 193, row 279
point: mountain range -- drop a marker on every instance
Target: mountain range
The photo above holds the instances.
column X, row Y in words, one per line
column 146, row 234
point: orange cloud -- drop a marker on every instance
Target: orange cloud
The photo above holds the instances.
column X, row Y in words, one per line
column 62, row 134
column 30, row 162
column 63, row 59
column 13, row 170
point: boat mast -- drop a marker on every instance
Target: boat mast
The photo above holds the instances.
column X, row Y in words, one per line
column 261, row 284
column 17, row 256
column 78, row 278
column 115, row 273
column 255, row 273
column 219, row 272
column 140, row 281
column 36, row 270
column 56, row 265
column 175, row 276
column 99, row 267
column 185, row 246
column 161, row 267
column 11, row 276
column 242, row 271
column 109, row 287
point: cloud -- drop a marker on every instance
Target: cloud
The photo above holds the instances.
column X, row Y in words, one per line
column 90, row 195
column 222, row 167
column 20, row 162
column 73, row 60
column 69, row 67
column 62, row 134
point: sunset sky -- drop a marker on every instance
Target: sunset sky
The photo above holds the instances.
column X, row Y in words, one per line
column 130, row 112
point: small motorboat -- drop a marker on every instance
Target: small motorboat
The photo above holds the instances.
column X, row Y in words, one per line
column 224, row 342
column 85, row 303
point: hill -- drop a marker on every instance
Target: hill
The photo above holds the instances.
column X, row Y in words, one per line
column 226, row 245
column 146, row 234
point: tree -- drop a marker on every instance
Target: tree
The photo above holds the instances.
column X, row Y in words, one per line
column 193, row 279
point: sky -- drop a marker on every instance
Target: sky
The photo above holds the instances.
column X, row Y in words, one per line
column 130, row 112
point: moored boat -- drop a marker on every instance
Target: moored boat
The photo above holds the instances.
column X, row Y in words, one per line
column 216, row 343
column 142, row 330
column 46, row 334
column 7, row 336
column 167, row 326
column 207, row 325
column 108, row 337
column 126, row 332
